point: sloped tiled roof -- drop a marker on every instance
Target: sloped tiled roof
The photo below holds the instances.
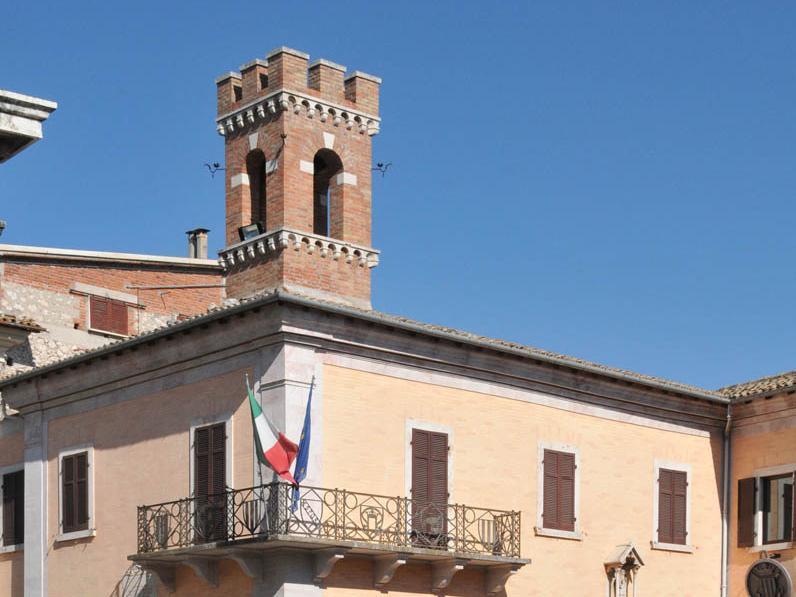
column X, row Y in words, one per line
column 765, row 385
column 394, row 320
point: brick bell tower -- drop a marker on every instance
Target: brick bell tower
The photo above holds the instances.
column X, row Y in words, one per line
column 298, row 177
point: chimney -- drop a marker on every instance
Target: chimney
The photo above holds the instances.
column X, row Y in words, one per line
column 197, row 243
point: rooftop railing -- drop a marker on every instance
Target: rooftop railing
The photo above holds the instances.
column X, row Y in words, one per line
column 329, row 515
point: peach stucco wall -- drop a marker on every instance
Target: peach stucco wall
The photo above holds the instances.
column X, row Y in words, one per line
column 141, row 456
column 11, row 564
column 755, row 447
column 494, row 454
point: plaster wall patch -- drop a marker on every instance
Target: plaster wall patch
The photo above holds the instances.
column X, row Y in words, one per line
column 253, row 140
column 307, row 167
column 347, row 178
column 271, row 166
column 328, row 140
column 238, row 180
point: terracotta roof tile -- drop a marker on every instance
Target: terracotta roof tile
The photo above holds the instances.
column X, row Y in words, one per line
column 765, row 385
column 24, row 323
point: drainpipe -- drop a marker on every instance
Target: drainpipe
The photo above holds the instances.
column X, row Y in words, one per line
column 725, row 515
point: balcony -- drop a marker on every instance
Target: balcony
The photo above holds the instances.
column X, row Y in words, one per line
column 247, row 525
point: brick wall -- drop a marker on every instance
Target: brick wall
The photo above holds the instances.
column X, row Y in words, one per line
column 43, row 289
column 303, row 272
column 59, row 277
column 291, row 139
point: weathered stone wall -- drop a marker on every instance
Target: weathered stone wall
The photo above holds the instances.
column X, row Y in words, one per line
column 48, row 291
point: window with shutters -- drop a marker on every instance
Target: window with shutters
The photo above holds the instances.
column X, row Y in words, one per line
column 672, row 498
column 209, row 473
column 76, row 503
column 558, row 499
column 765, row 506
column 108, row 315
column 12, row 502
column 428, row 464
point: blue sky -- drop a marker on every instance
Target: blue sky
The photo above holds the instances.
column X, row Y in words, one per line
column 610, row 180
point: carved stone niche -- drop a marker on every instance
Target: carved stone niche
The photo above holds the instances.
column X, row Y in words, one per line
column 622, row 568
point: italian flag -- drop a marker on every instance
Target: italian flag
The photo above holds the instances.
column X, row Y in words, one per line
column 273, row 448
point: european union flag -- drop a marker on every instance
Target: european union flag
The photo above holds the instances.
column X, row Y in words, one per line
column 302, row 458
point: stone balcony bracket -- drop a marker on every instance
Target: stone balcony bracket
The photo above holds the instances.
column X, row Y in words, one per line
column 271, row 243
column 269, row 106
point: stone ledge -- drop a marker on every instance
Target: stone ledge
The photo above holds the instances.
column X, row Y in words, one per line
column 283, row 100
column 279, row 240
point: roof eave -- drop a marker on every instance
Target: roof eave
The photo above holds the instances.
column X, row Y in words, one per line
column 278, row 296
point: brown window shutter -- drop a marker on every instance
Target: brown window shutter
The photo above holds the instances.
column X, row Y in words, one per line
column 210, row 481
column 74, row 492
column 218, row 480
column 210, row 454
column 672, row 506
column 438, row 470
column 117, row 317
column 68, row 522
column 747, row 489
column 109, row 315
column 420, row 466
column 679, row 507
column 566, row 491
column 13, row 508
column 665, row 506
column 559, row 491
column 551, row 500
column 99, row 312
column 429, row 484
column 201, row 462
column 81, row 490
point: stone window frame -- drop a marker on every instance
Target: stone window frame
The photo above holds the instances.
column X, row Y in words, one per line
column 90, row 530
column 86, row 291
column 540, row 529
column 759, row 474
column 683, row 468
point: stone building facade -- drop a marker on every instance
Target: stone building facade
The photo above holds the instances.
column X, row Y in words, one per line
column 440, row 462
column 53, row 290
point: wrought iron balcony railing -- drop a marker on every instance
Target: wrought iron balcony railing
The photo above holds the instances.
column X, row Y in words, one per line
column 330, row 515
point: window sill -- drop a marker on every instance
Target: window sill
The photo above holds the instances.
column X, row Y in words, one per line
column 85, row 534
column 672, row 547
column 97, row 332
column 11, row 548
column 575, row 535
column 771, row 547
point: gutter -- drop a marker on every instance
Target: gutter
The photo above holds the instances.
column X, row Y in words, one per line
column 725, row 514
column 282, row 296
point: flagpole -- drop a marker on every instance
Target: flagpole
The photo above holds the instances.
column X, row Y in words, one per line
column 259, row 465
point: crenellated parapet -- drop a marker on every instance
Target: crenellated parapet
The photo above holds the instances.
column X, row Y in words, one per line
column 286, row 82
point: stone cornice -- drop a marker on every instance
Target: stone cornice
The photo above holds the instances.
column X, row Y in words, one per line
column 283, row 100
column 53, row 254
column 285, row 238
